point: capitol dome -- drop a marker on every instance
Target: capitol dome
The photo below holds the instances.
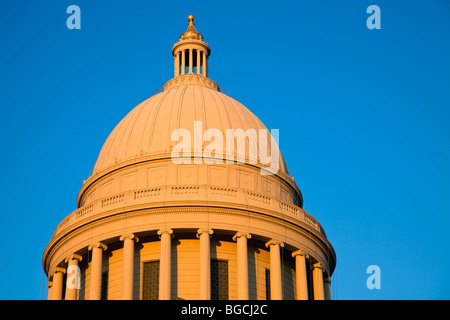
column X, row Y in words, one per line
column 189, row 198
column 145, row 134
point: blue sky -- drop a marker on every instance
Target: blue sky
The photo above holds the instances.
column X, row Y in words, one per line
column 363, row 118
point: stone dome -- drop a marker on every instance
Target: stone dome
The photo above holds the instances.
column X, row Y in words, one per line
column 146, row 132
column 192, row 164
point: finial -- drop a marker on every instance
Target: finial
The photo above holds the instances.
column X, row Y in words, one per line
column 191, row 33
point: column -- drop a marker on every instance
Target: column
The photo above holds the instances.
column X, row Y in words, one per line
column 318, row 281
column 183, row 61
column 199, row 67
column 276, row 291
column 242, row 264
column 191, row 61
column 205, row 65
column 327, row 288
column 176, row 65
column 165, row 264
column 49, row 291
column 205, row 264
column 178, row 62
column 300, row 274
column 73, row 276
column 128, row 265
column 96, row 270
column 57, row 291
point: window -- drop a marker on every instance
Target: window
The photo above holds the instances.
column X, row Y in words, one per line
column 219, row 280
column 151, row 281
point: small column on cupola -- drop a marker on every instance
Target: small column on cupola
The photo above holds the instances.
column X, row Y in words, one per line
column 191, row 52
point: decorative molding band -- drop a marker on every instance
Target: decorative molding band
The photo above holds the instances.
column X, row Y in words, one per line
column 190, row 79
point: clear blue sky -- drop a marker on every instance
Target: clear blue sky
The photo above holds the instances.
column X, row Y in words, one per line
column 363, row 118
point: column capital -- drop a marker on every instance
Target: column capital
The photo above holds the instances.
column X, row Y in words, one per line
column 203, row 230
column 165, row 230
column 98, row 245
column 73, row 256
column 318, row 265
column 59, row 269
column 131, row 236
column 300, row 252
column 241, row 234
column 274, row 242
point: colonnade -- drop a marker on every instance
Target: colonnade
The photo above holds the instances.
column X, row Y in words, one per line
column 321, row 285
column 201, row 61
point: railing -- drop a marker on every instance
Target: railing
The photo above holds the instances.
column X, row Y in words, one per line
column 310, row 220
column 223, row 191
column 146, row 193
column 289, row 207
column 234, row 197
column 113, row 200
column 185, row 189
column 258, row 197
column 84, row 210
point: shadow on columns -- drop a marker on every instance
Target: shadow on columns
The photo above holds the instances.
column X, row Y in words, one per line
column 252, row 252
column 174, row 269
column 137, row 270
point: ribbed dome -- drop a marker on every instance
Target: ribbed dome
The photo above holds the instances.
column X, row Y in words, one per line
column 189, row 162
column 146, row 132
